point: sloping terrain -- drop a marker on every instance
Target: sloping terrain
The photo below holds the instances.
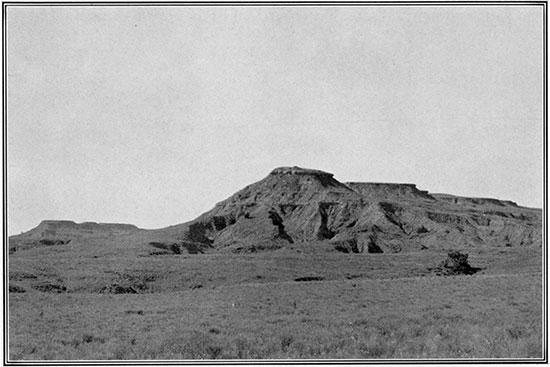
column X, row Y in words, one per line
column 292, row 206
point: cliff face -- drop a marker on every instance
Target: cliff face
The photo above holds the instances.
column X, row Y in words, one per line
column 293, row 205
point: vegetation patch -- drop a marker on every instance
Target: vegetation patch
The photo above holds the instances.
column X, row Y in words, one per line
column 131, row 284
column 178, row 248
column 159, row 253
column 50, row 287
column 309, row 279
column 27, row 245
column 256, row 248
column 21, row 276
column 175, row 345
column 456, row 263
column 13, row 288
column 53, row 242
column 84, row 339
column 214, row 330
column 133, row 312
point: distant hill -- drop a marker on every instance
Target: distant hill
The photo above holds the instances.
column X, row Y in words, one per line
column 60, row 232
column 293, row 206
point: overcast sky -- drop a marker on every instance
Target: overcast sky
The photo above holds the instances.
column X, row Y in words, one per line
column 151, row 115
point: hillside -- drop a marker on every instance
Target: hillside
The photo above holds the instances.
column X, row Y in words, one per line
column 293, row 206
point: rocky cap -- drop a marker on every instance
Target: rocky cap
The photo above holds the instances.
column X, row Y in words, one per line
column 299, row 171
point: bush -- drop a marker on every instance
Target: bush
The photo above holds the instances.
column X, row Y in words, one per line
column 456, row 263
column 16, row 289
column 50, row 287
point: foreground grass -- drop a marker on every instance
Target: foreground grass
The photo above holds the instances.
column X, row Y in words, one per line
column 480, row 316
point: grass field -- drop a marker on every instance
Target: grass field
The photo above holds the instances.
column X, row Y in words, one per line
column 250, row 306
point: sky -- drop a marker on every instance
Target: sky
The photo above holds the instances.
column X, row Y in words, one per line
column 151, row 115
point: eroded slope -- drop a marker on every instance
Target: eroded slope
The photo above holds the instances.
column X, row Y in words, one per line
column 293, row 205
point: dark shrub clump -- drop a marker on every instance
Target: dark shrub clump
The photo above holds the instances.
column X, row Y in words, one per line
column 456, row 263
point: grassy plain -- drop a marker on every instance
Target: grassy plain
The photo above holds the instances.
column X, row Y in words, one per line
column 249, row 306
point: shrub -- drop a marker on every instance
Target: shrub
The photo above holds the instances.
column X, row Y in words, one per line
column 456, row 263
column 16, row 289
column 50, row 287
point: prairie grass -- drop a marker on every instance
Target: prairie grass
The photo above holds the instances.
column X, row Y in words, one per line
column 91, row 267
column 480, row 316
